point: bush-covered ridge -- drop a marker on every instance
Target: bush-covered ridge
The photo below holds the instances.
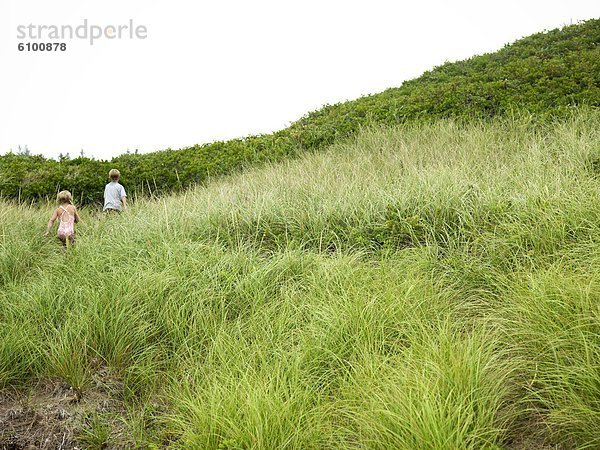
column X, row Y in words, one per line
column 545, row 74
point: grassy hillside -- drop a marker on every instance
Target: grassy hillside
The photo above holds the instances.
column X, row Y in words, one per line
column 426, row 286
column 545, row 74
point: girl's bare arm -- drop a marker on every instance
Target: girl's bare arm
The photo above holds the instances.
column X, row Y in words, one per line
column 77, row 219
column 52, row 220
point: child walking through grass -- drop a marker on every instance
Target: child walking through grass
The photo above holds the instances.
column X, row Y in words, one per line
column 67, row 215
column 115, row 198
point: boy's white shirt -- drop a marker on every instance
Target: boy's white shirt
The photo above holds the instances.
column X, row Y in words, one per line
column 112, row 196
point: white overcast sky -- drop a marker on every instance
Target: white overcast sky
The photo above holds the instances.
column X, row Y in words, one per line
column 212, row 70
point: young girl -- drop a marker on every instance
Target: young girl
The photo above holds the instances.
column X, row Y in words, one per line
column 67, row 214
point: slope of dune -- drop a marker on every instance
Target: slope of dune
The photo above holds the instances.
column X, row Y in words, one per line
column 422, row 286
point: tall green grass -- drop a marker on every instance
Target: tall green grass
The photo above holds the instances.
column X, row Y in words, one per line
column 425, row 286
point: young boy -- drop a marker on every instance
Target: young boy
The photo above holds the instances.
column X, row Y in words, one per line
column 115, row 198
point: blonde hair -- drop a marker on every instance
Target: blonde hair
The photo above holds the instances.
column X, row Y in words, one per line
column 114, row 174
column 64, row 197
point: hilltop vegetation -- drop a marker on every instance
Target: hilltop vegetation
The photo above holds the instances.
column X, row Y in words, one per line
column 424, row 286
column 545, row 74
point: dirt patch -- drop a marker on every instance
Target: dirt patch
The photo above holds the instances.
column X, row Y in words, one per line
column 52, row 416
column 532, row 433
